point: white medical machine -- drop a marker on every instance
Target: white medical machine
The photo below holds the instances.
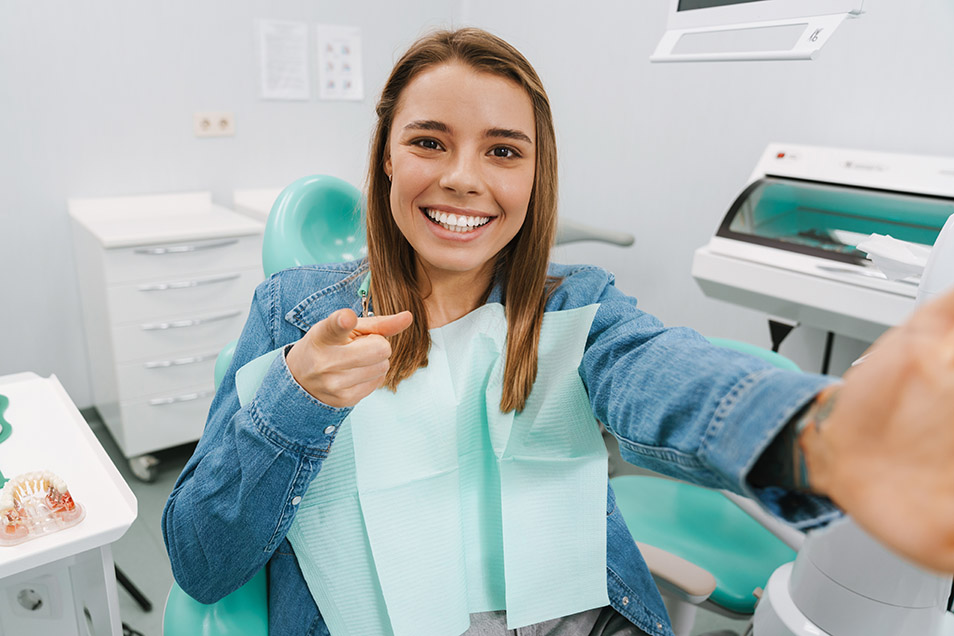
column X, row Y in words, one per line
column 720, row 30
column 787, row 245
column 843, row 582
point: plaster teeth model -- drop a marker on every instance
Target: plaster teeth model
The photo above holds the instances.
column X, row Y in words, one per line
column 34, row 504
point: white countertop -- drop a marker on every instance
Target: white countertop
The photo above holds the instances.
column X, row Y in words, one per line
column 161, row 218
column 256, row 203
column 50, row 434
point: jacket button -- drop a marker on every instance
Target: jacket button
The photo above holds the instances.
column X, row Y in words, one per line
column 625, row 600
column 329, row 430
column 296, row 501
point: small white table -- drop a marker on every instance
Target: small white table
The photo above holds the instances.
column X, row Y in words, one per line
column 70, row 571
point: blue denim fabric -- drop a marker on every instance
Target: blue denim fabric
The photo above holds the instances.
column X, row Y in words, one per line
column 677, row 404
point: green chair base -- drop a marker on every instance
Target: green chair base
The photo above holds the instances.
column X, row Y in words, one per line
column 703, row 527
column 244, row 612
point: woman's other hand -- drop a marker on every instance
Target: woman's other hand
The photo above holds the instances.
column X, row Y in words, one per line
column 886, row 452
column 344, row 358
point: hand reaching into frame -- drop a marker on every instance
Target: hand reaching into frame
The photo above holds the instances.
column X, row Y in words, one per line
column 885, row 454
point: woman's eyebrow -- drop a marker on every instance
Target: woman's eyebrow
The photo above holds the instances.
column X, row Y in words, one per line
column 427, row 124
column 507, row 133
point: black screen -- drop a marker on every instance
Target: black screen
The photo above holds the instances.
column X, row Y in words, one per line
column 689, row 5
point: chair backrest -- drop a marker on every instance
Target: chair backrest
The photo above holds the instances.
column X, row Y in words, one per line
column 316, row 219
column 769, row 356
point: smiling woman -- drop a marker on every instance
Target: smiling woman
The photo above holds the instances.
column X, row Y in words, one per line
column 436, row 469
column 464, row 139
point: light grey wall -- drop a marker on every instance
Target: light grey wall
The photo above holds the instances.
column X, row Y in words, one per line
column 96, row 99
column 662, row 150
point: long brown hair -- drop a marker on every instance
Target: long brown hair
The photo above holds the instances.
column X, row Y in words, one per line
column 521, row 267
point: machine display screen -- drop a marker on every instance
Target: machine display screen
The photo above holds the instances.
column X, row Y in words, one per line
column 689, row 5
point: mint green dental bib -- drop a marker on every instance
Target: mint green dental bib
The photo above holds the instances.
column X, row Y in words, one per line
column 433, row 505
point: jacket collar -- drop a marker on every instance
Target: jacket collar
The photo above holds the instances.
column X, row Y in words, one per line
column 343, row 293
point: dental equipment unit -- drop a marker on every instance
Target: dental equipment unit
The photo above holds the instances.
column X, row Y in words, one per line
column 843, row 582
column 789, row 246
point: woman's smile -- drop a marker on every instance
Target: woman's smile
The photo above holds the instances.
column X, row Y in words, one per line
column 465, row 223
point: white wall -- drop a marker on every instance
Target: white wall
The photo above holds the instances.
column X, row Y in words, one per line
column 662, row 150
column 96, row 99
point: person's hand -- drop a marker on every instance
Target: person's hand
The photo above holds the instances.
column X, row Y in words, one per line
column 885, row 454
column 343, row 358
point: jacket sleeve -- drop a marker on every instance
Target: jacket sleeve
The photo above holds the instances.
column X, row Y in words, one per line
column 237, row 496
column 685, row 408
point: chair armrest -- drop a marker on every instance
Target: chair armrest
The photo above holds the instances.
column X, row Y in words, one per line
column 786, row 534
column 679, row 577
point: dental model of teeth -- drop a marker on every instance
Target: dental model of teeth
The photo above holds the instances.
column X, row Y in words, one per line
column 34, row 504
column 457, row 222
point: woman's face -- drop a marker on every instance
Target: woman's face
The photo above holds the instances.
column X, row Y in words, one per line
column 462, row 159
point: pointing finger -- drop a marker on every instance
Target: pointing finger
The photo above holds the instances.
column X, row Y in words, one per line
column 336, row 329
column 384, row 325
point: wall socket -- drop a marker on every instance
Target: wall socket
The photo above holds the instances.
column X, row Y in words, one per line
column 213, row 124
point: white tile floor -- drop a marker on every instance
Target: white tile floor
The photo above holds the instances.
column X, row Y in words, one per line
column 141, row 554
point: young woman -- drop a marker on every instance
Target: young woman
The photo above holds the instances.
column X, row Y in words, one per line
column 431, row 469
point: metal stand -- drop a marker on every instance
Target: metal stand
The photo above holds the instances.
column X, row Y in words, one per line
column 133, row 591
column 826, row 357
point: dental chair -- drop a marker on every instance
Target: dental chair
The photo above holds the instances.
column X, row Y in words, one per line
column 317, row 219
column 703, row 547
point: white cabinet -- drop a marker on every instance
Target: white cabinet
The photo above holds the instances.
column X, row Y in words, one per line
column 166, row 281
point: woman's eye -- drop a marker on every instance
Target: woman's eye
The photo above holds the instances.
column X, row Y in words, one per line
column 429, row 144
column 504, row 152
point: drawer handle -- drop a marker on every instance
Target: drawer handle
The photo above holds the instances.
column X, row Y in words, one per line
column 178, row 362
column 187, row 397
column 185, row 284
column 190, row 322
column 182, row 249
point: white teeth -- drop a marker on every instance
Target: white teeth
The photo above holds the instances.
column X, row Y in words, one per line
column 456, row 222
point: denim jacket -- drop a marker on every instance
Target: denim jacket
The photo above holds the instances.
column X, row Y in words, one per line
column 677, row 405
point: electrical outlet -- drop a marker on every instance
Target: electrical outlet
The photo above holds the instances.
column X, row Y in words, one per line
column 37, row 598
column 213, row 124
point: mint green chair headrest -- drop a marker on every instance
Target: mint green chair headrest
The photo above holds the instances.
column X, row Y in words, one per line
column 317, row 219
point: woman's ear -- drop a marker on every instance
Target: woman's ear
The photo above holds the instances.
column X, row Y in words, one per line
column 387, row 167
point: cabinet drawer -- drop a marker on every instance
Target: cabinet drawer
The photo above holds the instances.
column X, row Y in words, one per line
column 172, row 260
column 162, row 339
column 157, row 423
column 165, row 375
column 187, row 294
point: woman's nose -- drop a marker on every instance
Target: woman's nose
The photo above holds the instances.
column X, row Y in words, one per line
column 462, row 175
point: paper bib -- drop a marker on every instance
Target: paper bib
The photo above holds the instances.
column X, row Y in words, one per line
column 433, row 505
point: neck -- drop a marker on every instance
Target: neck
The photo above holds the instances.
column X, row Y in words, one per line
column 451, row 295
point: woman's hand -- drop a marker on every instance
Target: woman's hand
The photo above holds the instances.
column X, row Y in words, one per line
column 344, row 358
column 886, row 452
